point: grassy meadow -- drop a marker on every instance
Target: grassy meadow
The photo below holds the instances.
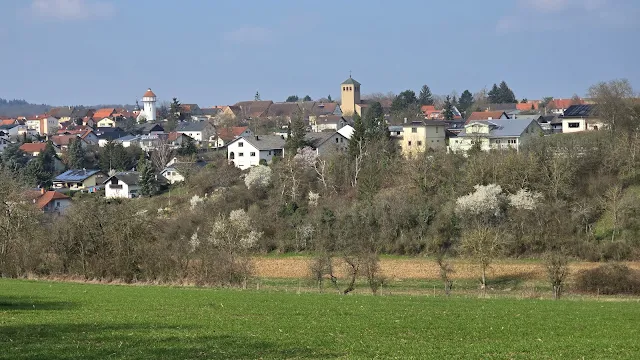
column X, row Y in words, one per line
column 52, row 320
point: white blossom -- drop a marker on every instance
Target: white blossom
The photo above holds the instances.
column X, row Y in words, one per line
column 306, row 156
column 235, row 232
column 313, row 198
column 486, row 200
column 194, row 241
column 524, row 199
column 195, row 201
column 258, row 176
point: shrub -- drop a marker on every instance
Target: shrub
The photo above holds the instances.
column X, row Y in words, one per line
column 609, row 279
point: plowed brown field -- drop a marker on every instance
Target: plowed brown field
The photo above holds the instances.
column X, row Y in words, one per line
column 415, row 268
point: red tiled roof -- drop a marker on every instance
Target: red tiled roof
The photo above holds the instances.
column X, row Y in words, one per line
column 33, row 147
column 232, row 133
column 104, row 113
column 565, row 103
column 527, row 106
column 8, row 121
column 49, row 196
column 149, row 93
column 427, row 109
column 485, row 115
column 63, row 140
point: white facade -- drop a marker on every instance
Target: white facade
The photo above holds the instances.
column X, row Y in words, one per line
column 149, row 106
column 488, row 136
column 244, row 155
column 172, row 175
column 115, row 188
column 43, row 126
column 107, row 122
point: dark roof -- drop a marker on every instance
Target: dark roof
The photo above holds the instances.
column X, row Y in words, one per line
column 350, row 81
column 579, row 111
column 192, row 126
column 316, row 139
column 264, row 142
column 127, row 177
column 63, row 111
column 76, row 175
column 80, row 112
column 210, row 111
column 329, row 119
column 283, row 109
column 147, row 128
column 502, row 107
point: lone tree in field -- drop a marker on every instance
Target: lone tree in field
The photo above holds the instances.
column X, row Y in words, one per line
column 481, row 212
column 557, row 266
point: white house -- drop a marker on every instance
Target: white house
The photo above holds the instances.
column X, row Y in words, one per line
column 172, row 175
column 245, row 152
column 106, row 122
column 42, row 125
column 326, row 123
column 122, row 185
column 198, row 131
column 326, row 143
column 495, row 135
column 579, row 118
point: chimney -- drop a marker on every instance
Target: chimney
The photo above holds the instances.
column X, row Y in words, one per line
column 43, row 191
column 405, row 120
column 257, row 137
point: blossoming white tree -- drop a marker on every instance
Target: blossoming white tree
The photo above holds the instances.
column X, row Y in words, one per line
column 258, row 177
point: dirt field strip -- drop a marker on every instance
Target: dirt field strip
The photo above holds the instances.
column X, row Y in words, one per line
column 416, row 268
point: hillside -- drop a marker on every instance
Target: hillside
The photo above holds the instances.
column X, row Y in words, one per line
column 11, row 108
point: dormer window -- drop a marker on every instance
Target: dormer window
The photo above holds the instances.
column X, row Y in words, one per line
column 414, row 130
column 240, row 144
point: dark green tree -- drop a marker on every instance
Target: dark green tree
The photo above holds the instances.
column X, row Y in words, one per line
column 76, row 154
column 175, row 115
column 113, row 156
column 494, row 95
column 358, row 136
column 298, row 131
column 404, row 100
column 188, row 147
column 329, row 98
column 148, row 182
column 307, row 98
column 506, row 95
column 13, row 158
column 465, row 101
column 292, row 98
column 448, row 109
column 425, row 97
column 374, row 122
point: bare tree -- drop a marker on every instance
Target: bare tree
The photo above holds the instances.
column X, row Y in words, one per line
column 557, row 270
column 615, row 100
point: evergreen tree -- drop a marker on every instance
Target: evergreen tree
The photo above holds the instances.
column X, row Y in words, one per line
column 374, row 122
column 292, row 98
column 113, row 157
column 506, row 95
column 257, row 96
column 148, row 182
column 175, row 115
column 465, row 102
column 425, row 97
column 76, row 154
column 494, row 95
column 454, row 101
column 448, row 109
column 297, row 132
column 13, row 158
column 307, row 98
column 404, row 100
column 358, row 135
column 329, row 98
column 187, row 148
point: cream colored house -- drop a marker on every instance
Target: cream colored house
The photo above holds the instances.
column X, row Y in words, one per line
column 45, row 125
column 495, row 135
column 107, row 122
column 418, row 136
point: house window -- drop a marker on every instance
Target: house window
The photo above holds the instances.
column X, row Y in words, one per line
column 574, row 125
column 240, row 144
column 397, row 132
column 252, row 154
column 437, row 128
column 408, row 143
column 269, row 152
column 497, row 141
column 337, row 140
column 419, row 143
column 240, row 154
column 414, row 130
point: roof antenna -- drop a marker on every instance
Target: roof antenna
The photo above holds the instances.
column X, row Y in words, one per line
column 349, row 74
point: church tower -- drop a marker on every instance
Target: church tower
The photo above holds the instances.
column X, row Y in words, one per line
column 350, row 92
column 149, row 105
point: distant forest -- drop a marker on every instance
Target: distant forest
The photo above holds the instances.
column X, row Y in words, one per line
column 13, row 108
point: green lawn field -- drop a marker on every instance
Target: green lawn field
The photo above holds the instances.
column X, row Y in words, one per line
column 50, row 320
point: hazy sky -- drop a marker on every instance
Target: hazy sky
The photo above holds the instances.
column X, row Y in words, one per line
column 67, row 52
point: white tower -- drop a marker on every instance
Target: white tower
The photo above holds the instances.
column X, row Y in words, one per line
column 149, row 105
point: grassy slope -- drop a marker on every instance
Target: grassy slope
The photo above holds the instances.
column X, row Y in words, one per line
column 42, row 320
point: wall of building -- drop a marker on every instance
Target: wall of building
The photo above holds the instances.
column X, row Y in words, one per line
column 417, row 139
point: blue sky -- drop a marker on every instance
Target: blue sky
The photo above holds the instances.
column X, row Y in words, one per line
column 68, row 52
